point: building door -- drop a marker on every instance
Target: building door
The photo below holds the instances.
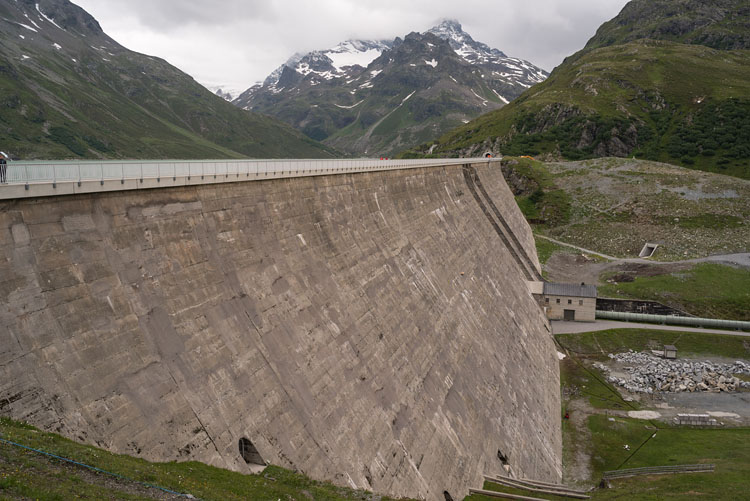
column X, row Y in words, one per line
column 569, row 315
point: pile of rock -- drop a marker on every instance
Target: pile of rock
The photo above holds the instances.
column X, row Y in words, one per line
column 649, row 374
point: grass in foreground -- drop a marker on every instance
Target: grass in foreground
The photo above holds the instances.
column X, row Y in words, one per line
column 688, row 343
column 706, row 290
column 28, row 475
column 728, row 449
column 655, row 443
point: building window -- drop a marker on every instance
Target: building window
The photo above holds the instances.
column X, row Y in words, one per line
column 558, row 300
column 580, row 302
column 546, row 300
column 570, row 301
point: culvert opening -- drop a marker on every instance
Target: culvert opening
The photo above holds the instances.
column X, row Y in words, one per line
column 648, row 250
column 502, row 457
column 249, row 453
column 448, row 496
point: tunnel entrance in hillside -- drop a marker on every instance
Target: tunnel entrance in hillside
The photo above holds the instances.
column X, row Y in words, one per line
column 648, row 250
column 249, row 453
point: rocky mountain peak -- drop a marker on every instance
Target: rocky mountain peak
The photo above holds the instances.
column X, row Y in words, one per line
column 377, row 95
column 719, row 24
column 61, row 14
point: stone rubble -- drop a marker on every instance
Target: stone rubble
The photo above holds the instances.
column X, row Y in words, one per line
column 650, row 374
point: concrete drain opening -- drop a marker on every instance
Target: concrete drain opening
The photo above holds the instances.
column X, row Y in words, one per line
column 249, row 453
column 502, row 457
column 648, row 250
column 448, row 496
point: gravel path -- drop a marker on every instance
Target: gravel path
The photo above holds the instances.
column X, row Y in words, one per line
column 741, row 259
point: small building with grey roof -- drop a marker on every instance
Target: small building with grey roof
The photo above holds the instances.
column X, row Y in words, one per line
column 569, row 302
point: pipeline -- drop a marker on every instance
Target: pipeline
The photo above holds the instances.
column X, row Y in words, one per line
column 713, row 323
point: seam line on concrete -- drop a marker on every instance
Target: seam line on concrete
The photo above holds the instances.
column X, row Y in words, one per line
column 467, row 170
column 506, row 226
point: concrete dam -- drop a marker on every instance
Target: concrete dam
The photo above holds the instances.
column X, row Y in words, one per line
column 371, row 328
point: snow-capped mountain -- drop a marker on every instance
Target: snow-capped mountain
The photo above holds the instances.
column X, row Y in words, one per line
column 227, row 92
column 514, row 70
column 349, row 96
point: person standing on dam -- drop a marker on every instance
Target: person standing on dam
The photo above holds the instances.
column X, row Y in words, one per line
column 3, row 167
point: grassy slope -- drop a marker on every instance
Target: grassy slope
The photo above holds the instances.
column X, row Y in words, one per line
column 706, row 290
column 600, row 344
column 655, row 86
column 728, row 449
column 614, row 206
column 721, row 24
column 80, row 101
column 25, row 474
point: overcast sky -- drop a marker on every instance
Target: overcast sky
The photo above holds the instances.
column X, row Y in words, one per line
column 235, row 43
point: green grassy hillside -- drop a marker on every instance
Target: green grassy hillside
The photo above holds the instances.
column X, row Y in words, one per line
column 720, row 24
column 676, row 103
column 25, row 474
column 665, row 80
column 67, row 90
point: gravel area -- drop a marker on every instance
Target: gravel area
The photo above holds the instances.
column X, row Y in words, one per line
column 649, row 374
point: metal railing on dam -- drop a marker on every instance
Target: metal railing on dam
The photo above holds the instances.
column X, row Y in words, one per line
column 50, row 178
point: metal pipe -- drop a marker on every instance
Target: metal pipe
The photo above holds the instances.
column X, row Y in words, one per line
column 713, row 323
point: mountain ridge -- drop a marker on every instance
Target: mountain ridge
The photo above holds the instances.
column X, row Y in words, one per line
column 71, row 91
column 681, row 103
column 354, row 97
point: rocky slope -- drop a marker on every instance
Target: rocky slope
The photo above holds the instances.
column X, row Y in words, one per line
column 656, row 82
column 380, row 97
column 67, row 90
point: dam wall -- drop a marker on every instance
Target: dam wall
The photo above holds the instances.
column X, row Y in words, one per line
column 374, row 329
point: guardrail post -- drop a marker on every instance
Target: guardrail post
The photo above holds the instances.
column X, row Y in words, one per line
column 26, row 169
column 101, row 175
column 54, row 176
column 122, row 173
column 141, row 172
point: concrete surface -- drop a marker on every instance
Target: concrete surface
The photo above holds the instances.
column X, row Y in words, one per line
column 372, row 329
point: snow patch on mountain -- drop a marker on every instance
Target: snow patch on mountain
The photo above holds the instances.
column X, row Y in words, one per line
column 484, row 101
column 407, row 97
column 350, row 107
column 432, row 63
column 355, row 52
column 27, row 27
column 48, row 18
column 32, row 21
column 501, row 97
column 331, row 63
